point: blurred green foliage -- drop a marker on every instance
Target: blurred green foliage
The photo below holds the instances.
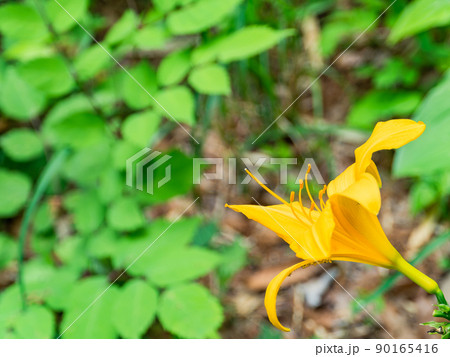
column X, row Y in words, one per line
column 60, row 90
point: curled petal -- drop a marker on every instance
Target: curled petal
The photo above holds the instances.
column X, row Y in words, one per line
column 387, row 135
column 270, row 300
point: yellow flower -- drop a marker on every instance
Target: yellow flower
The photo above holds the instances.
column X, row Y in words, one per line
column 346, row 227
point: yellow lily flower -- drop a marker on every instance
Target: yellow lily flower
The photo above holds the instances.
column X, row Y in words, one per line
column 346, row 227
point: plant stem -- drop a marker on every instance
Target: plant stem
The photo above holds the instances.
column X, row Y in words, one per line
column 46, row 176
column 440, row 297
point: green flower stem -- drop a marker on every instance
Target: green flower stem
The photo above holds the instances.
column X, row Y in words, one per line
column 440, row 297
column 44, row 180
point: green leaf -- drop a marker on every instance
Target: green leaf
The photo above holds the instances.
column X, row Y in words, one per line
column 423, row 194
column 200, row 16
column 14, row 190
column 134, row 309
column 210, row 79
column 139, row 128
column 19, row 21
column 22, row 144
column 173, row 68
column 59, row 14
column 125, row 215
column 96, row 322
column 419, row 16
column 123, row 28
column 233, row 259
column 190, row 311
column 8, row 250
column 71, row 251
column 163, row 236
column 177, row 265
column 87, row 210
column 103, row 244
column 79, row 130
column 35, row 322
column 179, row 102
column 342, row 25
column 62, row 280
column 36, row 274
column 18, row 99
column 377, row 105
column 10, row 306
column 91, row 61
column 429, row 153
column 133, row 94
column 49, row 75
column 150, row 37
column 242, row 44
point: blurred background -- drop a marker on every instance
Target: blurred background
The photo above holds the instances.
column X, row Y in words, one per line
column 72, row 112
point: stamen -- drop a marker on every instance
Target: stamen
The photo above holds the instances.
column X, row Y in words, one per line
column 321, row 193
column 266, row 188
column 313, row 204
column 300, row 197
column 293, row 209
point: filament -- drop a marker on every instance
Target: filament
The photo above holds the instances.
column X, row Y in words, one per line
column 266, row 188
column 313, row 204
column 293, row 209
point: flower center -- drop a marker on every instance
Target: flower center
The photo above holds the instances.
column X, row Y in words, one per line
column 306, row 217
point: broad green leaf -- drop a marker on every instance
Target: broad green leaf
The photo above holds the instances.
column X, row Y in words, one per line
column 245, row 43
column 79, row 130
column 87, row 210
column 86, row 165
column 125, row 215
column 178, row 102
column 20, row 21
column 422, row 195
column 49, row 75
column 91, row 61
column 429, row 153
column 59, row 13
column 343, row 25
column 378, row 105
column 71, row 251
column 14, row 190
column 123, row 28
column 96, row 322
column 8, row 250
column 37, row 275
column 190, row 311
column 161, row 235
column 134, row 308
column 210, row 79
column 139, row 128
column 56, row 293
column 176, row 266
column 22, row 144
column 103, row 244
column 35, row 322
column 18, row 99
column 137, row 96
column 111, row 185
column 419, row 16
column 10, row 306
column 173, row 68
column 23, row 51
column 150, row 37
column 233, row 259
column 122, row 151
column 200, row 16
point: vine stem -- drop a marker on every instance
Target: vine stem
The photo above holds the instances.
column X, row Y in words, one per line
column 44, row 180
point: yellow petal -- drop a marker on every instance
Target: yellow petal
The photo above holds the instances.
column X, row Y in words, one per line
column 281, row 220
column 358, row 235
column 270, row 301
column 348, row 177
column 366, row 192
column 387, row 135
